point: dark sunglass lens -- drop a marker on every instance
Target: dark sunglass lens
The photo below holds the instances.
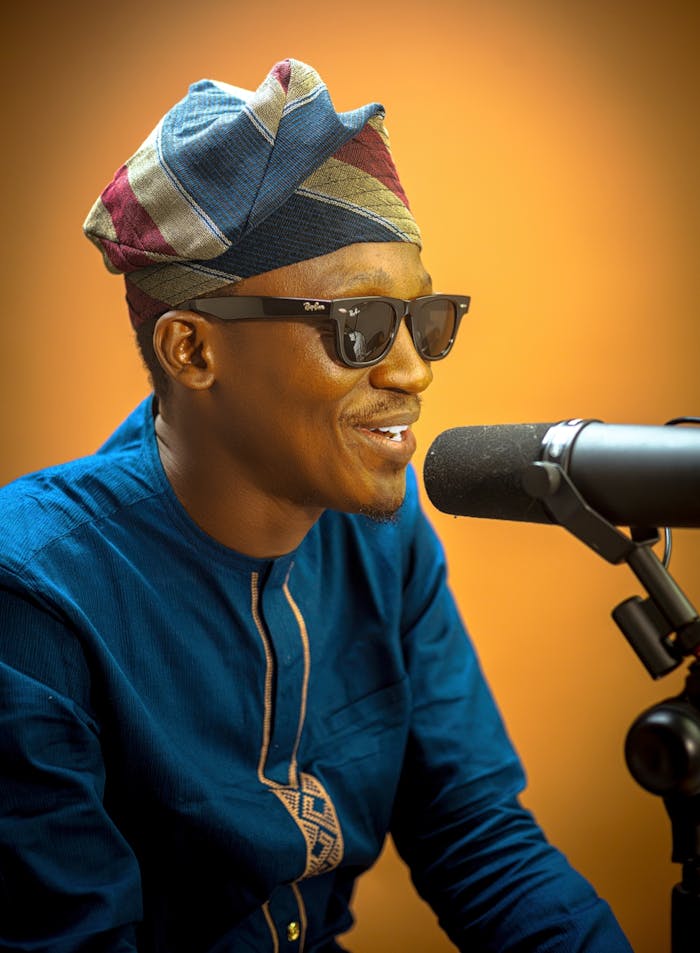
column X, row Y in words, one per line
column 368, row 330
column 433, row 325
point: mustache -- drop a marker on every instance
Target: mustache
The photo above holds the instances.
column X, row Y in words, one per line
column 387, row 405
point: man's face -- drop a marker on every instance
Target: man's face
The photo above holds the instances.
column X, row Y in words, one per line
column 294, row 423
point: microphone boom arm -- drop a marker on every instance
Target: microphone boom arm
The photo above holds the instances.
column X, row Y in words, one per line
column 662, row 629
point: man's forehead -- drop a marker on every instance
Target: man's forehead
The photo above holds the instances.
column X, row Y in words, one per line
column 380, row 278
column 378, row 268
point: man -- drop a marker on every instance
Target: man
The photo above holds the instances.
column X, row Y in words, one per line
column 230, row 661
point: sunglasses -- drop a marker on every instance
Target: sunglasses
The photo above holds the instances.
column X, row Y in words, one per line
column 365, row 328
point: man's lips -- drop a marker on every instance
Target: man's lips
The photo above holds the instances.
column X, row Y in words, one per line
column 394, row 441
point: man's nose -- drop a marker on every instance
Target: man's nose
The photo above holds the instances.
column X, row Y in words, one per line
column 403, row 368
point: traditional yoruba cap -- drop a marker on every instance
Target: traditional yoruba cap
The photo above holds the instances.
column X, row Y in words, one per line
column 233, row 183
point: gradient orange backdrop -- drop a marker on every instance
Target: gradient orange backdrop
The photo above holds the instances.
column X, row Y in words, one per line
column 550, row 152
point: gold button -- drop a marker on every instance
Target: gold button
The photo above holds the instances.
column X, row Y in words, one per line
column 293, row 931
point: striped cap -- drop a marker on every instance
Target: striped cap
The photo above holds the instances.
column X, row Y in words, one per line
column 232, row 183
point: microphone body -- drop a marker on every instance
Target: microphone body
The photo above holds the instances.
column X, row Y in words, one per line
column 639, row 476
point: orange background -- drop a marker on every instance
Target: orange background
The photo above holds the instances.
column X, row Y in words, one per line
column 550, row 151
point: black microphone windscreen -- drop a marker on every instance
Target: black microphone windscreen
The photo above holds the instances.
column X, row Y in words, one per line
column 477, row 471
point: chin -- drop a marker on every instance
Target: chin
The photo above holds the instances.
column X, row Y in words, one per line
column 383, row 507
column 378, row 498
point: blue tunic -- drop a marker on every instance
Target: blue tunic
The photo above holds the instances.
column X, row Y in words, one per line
column 201, row 751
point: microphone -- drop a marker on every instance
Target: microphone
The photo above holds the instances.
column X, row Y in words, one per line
column 637, row 476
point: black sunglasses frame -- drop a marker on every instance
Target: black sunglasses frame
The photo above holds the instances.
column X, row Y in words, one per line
column 336, row 310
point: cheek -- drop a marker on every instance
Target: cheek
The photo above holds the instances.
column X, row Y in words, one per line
column 286, row 368
column 313, row 373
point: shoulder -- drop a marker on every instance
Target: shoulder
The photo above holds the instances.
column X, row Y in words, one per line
column 50, row 505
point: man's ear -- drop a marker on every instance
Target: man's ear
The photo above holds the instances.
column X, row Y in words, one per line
column 181, row 341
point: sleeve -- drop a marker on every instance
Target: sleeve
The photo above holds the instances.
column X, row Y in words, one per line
column 475, row 854
column 69, row 882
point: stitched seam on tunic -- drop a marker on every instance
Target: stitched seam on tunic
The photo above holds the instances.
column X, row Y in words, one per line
column 302, row 916
column 293, row 768
column 319, row 826
column 270, row 921
column 267, row 712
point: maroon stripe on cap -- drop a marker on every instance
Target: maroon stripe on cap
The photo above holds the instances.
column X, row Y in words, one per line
column 282, row 72
column 367, row 151
column 141, row 305
column 136, row 230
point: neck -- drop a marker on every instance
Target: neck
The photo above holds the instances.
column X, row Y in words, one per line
column 224, row 502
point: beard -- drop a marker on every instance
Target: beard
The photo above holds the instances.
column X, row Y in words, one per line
column 379, row 515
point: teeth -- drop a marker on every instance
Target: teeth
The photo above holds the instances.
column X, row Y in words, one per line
column 394, row 433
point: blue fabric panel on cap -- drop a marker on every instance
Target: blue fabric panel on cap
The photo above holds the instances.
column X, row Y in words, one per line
column 213, row 149
column 305, row 139
column 213, row 164
column 275, row 242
